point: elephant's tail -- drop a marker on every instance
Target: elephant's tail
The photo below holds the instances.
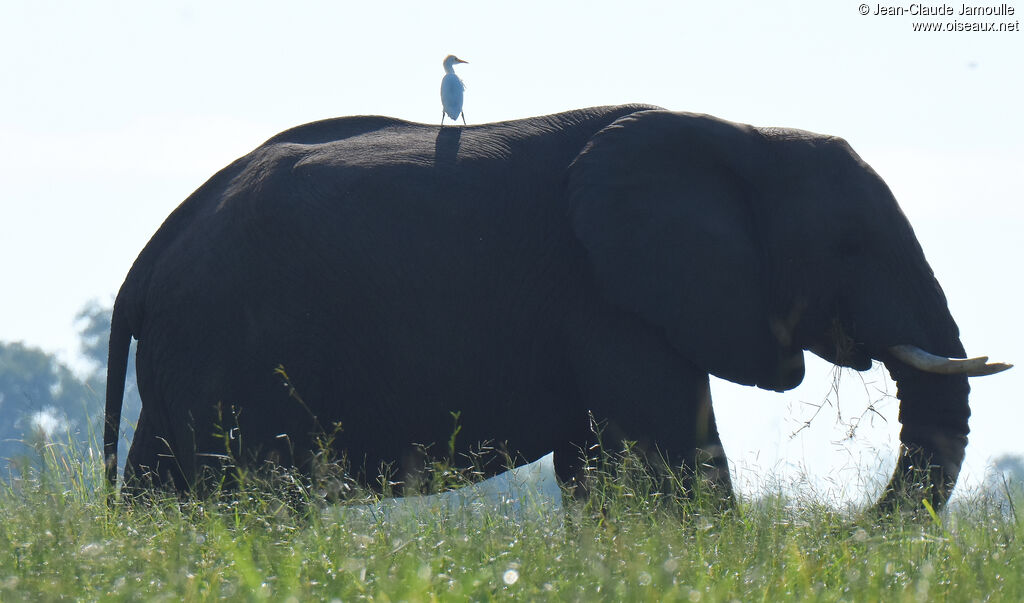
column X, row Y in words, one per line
column 117, row 369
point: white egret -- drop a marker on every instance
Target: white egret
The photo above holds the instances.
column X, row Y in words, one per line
column 451, row 90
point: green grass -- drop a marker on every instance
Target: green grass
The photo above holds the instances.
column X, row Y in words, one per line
column 59, row 538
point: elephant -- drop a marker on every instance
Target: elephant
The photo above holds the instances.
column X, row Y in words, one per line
column 525, row 277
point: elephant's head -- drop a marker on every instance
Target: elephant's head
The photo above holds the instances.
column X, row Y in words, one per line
column 750, row 245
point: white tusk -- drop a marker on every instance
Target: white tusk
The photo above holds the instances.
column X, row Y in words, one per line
column 930, row 363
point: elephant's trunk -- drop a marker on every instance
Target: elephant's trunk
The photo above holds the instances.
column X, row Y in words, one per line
column 934, row 413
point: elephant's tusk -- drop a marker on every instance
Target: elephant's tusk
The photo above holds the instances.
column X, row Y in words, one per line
column 930, row 363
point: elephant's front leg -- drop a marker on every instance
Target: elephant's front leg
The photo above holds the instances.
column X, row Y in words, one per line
column 643, row 391
column 687, row 443
column 712, row 466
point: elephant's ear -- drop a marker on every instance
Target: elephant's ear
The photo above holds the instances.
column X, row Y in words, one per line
column 662, row 203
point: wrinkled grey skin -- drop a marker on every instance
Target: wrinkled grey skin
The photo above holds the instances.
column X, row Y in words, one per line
column 523, row 273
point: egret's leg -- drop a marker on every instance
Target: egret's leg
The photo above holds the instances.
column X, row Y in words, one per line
column 463, row 114
column 442, row 117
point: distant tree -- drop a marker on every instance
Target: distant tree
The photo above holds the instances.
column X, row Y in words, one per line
column 41, row 400
column 1012, row 466
column 94, row 332
column 1005, row 478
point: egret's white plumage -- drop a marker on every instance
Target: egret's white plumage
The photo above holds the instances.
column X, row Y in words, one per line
column 452, row 90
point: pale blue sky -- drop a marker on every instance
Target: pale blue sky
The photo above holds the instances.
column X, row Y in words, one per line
column 111, row 113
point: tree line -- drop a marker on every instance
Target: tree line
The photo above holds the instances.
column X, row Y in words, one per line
column 43, row 401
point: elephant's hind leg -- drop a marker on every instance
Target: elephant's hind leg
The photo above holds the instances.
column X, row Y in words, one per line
column 151, row 464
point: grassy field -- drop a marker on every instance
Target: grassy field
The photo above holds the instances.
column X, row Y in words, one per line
column 59, row 539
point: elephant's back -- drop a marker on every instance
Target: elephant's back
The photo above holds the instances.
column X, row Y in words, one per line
column 368, row 212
